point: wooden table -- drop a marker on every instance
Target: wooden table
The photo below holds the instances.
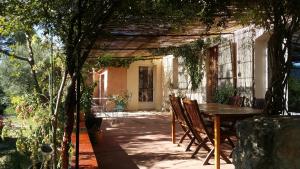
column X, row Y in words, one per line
column 219, row 111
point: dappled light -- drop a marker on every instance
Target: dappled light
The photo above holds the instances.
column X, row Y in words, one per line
column 143, row 140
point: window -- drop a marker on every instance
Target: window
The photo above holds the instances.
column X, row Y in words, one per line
column 145, row 84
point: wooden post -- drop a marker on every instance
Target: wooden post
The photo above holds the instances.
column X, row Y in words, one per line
column 173, row 128
column 217, row 141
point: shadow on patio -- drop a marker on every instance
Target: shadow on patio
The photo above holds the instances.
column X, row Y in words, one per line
column 143, row 140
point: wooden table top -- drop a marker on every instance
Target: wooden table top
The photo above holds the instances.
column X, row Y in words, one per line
column 223, row 109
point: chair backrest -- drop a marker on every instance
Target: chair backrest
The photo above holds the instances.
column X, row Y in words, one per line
column 177, row 109
column 236, row 101
column 194, row 115
column 259, row 103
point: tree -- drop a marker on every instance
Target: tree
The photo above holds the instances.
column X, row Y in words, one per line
column 18, row 21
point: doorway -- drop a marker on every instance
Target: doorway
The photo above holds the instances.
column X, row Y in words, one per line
column 212, row 74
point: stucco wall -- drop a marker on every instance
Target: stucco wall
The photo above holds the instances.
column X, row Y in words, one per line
column 117, row 80
column 169, row 79
column 182, row 85
column 133, row 85
column 260, row 68
column 96, row 80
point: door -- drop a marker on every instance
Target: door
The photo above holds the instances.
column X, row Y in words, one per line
column 212, row 74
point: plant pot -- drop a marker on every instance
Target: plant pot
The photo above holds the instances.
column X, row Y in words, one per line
column 120, row 107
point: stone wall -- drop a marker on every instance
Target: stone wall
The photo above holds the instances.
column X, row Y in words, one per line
column 268, row 143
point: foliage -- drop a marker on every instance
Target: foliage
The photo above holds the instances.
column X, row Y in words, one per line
column 4, row 101
column 87, row 98
column 294, row 97
column 194, row 55
column 120, row 99
column 109, row 61
column 24, row 106
column 223, row 93
column 30, row 137
column 11, row 159
column 17, row 78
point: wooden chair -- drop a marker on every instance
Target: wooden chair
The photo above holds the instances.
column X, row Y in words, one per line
column 181, row 119
column 203, row 134
column 236, row 101
column 258, row 103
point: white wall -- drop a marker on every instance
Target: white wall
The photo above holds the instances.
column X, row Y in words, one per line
column 260, row 67
column 184, row 85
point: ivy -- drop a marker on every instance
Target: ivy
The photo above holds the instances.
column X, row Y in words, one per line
column 110, row 61
column 194, row 56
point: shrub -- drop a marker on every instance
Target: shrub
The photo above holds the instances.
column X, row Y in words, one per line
column 294, row 97
column 223, row 93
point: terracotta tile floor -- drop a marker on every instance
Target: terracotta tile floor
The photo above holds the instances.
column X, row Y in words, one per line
column 87, row 158
column 142, row 140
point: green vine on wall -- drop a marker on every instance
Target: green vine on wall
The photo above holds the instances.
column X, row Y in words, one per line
column 193, row 55
column 110, row 61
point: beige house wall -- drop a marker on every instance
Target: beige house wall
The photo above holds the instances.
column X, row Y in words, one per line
column 96, row 80
column 116, row 80
column 133, row 85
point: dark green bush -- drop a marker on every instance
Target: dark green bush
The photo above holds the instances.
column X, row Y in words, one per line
column 294, row 94
column 223, row 93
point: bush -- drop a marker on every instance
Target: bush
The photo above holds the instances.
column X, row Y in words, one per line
column 223, row 93
column 10, row 158
column 4, row 101
column 293, row 96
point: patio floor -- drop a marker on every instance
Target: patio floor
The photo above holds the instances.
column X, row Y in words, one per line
column 142, row 140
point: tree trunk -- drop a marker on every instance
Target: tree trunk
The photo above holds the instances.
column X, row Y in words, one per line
column 277, row 56
column 70, row 103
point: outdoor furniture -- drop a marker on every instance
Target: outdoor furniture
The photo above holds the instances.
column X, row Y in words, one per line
column 221, row 111
column 202, row 132
column 259, row 103
column 181, row 119
column 236, row 101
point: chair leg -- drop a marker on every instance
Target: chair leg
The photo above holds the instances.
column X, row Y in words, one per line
column 183, row 137
column 190, row 144
column 225, row 158
column 206, row 148
column 230, row 142
column 230, row 155
column 198, row 148
column 211, row 153
column 208, row 156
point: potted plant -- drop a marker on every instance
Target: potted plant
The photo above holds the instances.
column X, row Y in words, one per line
column 120, row 100
column 86, row 105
